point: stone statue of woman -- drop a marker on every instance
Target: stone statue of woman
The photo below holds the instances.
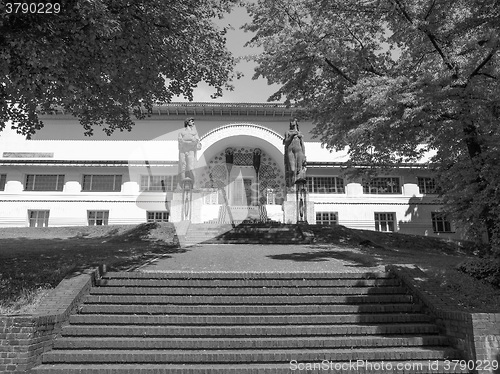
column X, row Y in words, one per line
column 295, row 154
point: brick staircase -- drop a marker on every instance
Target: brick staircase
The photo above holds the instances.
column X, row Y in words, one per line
column 204, row 232
column 243, row 234
column 223, row 322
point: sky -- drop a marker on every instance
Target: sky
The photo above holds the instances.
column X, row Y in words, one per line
column 245, row 89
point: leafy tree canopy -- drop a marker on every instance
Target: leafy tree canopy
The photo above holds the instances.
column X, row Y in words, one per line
column 100, row 59
column 385, row 77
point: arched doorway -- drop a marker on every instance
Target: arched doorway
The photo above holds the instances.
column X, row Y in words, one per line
column 243, row 184
column 250, row 179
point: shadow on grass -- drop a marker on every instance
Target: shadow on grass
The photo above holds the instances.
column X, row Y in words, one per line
column 31, row 264
column 136, row 233
column 343, row 236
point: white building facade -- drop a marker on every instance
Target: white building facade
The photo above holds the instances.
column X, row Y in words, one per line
column 132, row 178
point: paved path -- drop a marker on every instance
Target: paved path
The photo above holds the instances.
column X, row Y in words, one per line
column 256, row 257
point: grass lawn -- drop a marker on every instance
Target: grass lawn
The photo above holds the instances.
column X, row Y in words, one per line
column 438, row 259
column 34, row 260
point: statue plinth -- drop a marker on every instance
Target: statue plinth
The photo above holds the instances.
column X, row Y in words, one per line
column 187, row 198
column 297, row 208
column 186, row 203
column 301, row 200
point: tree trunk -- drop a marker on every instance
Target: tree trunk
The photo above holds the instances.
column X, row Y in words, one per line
column 471, row 139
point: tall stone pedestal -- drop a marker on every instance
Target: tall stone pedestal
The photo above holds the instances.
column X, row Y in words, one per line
column 290, row 209
column 176, row 210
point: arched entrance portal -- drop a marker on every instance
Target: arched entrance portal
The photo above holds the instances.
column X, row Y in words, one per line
column 243, row 174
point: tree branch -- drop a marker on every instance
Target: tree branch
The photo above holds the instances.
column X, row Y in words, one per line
column 430, row 36
column 371, row 69
column 340, row 72
column 433, row 40
column 403, row 10
column 449, row 117
column 292, row 17
column 488, row 57
column 488, row 75
column 430, row 9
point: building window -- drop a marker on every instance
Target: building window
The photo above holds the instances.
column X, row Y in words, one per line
column 158, row 216
column 211, row 196
column 3, row 181
column 98, row 217
column 102, row 183
column 440, row 222
column 382, row 185
column 272, row 196
column 385, row 221
column 426, row 185
column 158, row 182
column 327, row 218
column 42, row 182
column 325, row 185
column 38, row 218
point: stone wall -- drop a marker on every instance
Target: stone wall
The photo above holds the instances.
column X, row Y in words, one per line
column 477, row 335
column 23, row 338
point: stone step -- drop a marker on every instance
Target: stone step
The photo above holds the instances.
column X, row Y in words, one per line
column 242, row 242
column 243, row 299
column 247, row 330
column 250, row 232
column 257, row 234
column 201, row 229
column 206, row 231
column 111, row 319
column 243, row 234
column 224, row 275
column 236, row 283
column 245, row 343
column 248, row 291
column 372, row 367
column 242, row 239
column 256, row 322
column 246, row 309
column 247, row 356
column 201, row 234
column 260, row 232
column 210, row 225
column 252, row 240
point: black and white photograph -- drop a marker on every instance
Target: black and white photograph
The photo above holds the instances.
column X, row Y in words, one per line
column 250, row 186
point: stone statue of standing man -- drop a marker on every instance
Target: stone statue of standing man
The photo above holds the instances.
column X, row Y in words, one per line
column 189, row 143
column 295, row 154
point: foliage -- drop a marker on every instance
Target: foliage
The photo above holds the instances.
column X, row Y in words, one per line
column 100, row 59
column 487, row 269
column 394, row 80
